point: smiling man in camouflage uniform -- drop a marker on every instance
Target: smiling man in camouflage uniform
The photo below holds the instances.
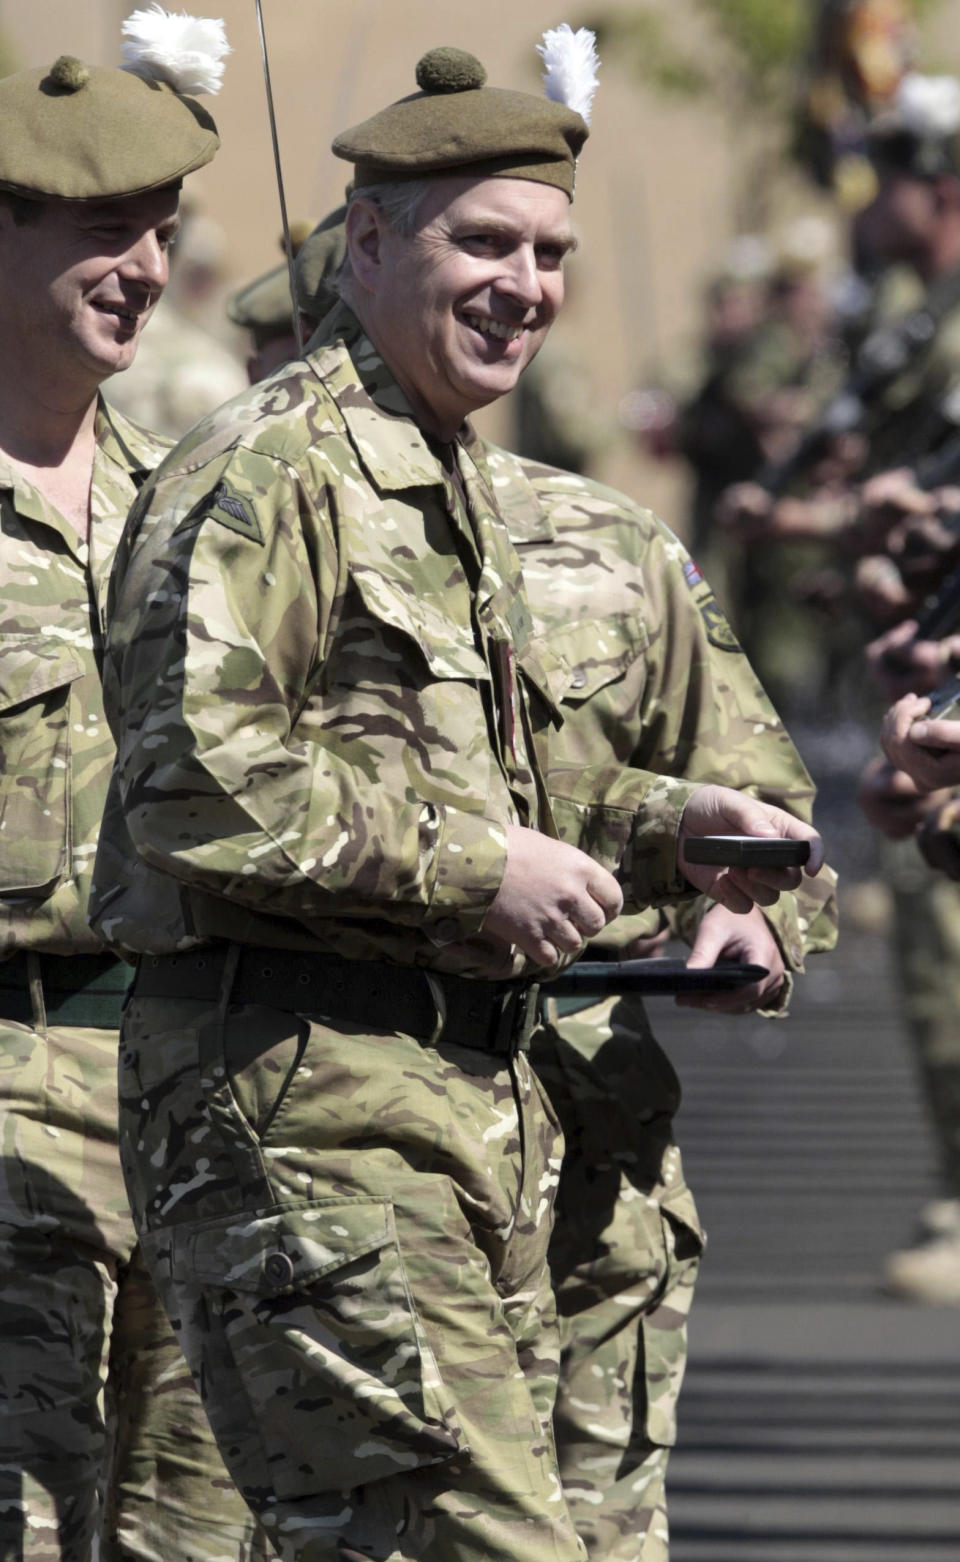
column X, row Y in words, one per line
column 658, row 681
column 333, row 840
column 91, row 161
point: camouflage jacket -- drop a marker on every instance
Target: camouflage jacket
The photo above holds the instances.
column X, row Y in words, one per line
column 658, row 680
column 327, row 695
column 56, row 752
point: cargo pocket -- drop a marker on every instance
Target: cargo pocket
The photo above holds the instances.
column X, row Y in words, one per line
column 35, row 681
column 316, row 1317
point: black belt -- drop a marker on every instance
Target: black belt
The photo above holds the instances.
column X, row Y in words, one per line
column 77, row 989
column 492, row 1016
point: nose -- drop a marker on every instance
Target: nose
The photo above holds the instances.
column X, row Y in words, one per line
column 147, row 261
column 521, row 279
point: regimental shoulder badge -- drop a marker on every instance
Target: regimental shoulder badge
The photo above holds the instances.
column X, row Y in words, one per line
column 718, row 628
column 234, row 512
column 719, row 632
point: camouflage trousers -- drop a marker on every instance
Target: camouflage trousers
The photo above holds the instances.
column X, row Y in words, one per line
column 927, row 953
column 350, row 1231
column 624, row 1259
column 101, row 1430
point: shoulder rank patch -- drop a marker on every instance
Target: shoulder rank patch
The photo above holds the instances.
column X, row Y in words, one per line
column 235, row 513
column 718, row 629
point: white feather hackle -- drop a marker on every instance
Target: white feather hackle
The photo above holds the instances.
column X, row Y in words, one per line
column 186, row 51
column 571, row 65
column 929, row 105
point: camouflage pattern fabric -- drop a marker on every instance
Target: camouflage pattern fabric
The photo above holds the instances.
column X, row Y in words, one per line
column 328, row 696
column 350, row 1233
column 329, row 701
column 658, row 680
column 623, row 1259
column 95, row 1399
column 53, row 592
column 95, row 1396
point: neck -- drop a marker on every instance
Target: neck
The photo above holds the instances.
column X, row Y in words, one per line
column 50, row 439
column 427, row 420
column 43, row 423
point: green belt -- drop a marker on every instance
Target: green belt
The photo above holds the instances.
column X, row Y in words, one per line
column 491, row 1016
column 77, row 989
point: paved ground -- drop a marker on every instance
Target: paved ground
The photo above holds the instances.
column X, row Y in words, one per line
column 820, row 1421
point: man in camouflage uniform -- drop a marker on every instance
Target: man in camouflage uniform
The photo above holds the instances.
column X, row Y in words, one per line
column 659, row 683
column 334, row 842
column 625, row 1249
column 97, row 1409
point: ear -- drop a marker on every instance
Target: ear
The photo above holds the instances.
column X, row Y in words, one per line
column 366, row 226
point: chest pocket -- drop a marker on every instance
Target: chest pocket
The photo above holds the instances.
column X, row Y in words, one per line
column 597, row 652
column 35, row 683
column 406, row 693
column 387, row 632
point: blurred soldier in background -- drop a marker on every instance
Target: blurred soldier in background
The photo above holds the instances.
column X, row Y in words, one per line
column 183, row 369
column 910, row 419
column 264, row 309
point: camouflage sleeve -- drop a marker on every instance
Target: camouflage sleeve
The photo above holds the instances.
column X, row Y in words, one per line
column 705, row 716
column 627, row 819
column 234, row 777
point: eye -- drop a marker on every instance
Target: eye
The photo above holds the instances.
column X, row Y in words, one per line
column 550, row 257
column 482, row 243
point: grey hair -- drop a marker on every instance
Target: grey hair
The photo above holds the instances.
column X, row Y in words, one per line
column 400, row 204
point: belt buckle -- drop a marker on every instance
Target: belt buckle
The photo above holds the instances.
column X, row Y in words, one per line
column 514, row 1019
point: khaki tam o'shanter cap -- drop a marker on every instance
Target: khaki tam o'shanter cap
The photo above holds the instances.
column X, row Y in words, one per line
column 456, row 124
column 79, row 132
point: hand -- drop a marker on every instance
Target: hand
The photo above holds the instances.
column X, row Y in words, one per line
column 749, row 941
column 718, row 810
column 919, row 667
column 745, row 511
column 552, row 898
column 891, row 801
column 911, row 743
column 886, row 500
column 881, row 590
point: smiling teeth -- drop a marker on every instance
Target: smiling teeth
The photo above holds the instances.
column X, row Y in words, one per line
column 504, row 333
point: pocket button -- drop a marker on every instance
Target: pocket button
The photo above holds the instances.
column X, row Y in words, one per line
column 279, row 1269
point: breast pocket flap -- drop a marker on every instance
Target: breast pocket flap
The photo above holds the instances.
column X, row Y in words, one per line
column 30, row 668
